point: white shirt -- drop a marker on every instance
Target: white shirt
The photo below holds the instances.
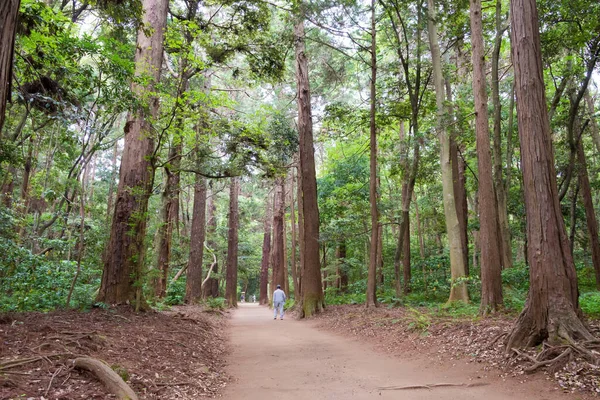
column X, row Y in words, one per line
column 279, row 296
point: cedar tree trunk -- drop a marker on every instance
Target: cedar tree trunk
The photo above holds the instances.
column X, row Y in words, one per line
column 371, row 299
column 232, row 244
column 193, row 284
column 124, row 258
column 311, row 300
column 278, row 274
column 552, row 310
column 491, row 268
column 263, row 297
column 9, row 10
column 211, row 287
column 499, row 186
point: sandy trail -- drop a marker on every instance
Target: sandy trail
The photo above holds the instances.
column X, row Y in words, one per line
column 289, row 360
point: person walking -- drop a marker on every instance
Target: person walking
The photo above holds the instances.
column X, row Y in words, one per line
column 278, row 302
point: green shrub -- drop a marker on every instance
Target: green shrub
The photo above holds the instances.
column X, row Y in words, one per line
column 215, row 303
column 175, row 292
column 590, row 304
column 289, row 303
column 417, row 321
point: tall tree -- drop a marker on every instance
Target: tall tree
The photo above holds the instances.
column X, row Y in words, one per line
column 413, row 84
column 277, row 251
column 232, row 244
column 122, row 274
column 372, row 275
column 9, row 10
column 458, row 291
column 499, row 186
column 193, row 283
column 491, row 279
column 311, row 297
column 293, row 238
column 263, row 297
column 211, row 286
column 552, row 309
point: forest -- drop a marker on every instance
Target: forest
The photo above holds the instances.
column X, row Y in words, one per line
column 429, row 155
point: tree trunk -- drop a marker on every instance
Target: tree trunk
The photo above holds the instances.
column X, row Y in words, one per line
column 459, row 182
column 278, row 274
column 593, row 121
column 371, row 299
column 293, row 221
column 341, row 257
column 9, row 10
column 552, row 309
column 111, row 187
column 122, row 274
column 169, row 216
column 406, row 254
column 211, row 287
column 27, row 171
column 590, row 213
column 380, row 277
column 232, row 244
column 263, row 297
column 311, row 300
column 506, row 249
column 300, row 230
column 419, row 230
column 193, row 284
column 458, row 292
column 573, row 215
column 491, row 268
column 286, row 277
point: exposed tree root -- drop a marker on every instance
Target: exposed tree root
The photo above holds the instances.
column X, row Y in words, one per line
column 113, row 382
column 432, row 386
column 494, row 340
column 554, row 356
column 22, row 361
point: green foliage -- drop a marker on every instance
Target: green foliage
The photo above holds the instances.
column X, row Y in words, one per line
column 418, row 321
column 289, row 304
column 175, row 292
column 216, row 303
column 30, row 282
column 590, row 304
column 346, row 298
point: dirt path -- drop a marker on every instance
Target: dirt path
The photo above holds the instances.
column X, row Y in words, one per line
column 291, row 360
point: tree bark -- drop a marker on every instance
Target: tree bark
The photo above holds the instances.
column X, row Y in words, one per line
column 232, row 244
column 9, row 10
column 589, row 101
column 278, row 274
column 343, row 273
column 122, row 274
column 552, row 309
column 211, row 287
column 458, row 292
column 169, row 217
column 193, row 284
column 111, row 187
column 419, row 229
column 113, row 382
column 293, row 221
column 311, row 300
column 371, row 299
column 506, row 249
column 459, row 181
column 590, row 213
column 300, row 230
column 491, row 268
column 263, row 296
